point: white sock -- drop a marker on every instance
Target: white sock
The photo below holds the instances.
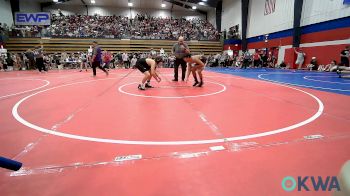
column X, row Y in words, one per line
column 143, row 85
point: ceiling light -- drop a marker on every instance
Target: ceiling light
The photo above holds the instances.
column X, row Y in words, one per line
column 201, row 3
column 204, row 0
column 93, row 1
column 194, row 7
column 130, row 4
column 163, row 5
column 55, row 1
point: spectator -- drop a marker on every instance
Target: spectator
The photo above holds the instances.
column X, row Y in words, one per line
column 126, row 60
column 83, row 61
column 344, row 56
column 19, row 60
column 140, row 27
column 257, row 59
column 313, row 64
column 271, row 60
column 25, row 62
column 246, row 59
column 264, row 59
column 153, row 53
column 3, row 62
column 119, row 58
column 56, row 60
column 300, row 57
column 330, row 67
column 9, row 62
column 283, row 65
column 30, row 55
column 133, row 61
column 162, row 52
column 106, row 59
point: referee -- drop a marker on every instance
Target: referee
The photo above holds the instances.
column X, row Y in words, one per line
column 39, row 58
column 179, row 50
column 96, row 58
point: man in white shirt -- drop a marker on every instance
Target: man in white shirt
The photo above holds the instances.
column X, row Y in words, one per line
column 162, row 52
column 125, row 60
column 133, row 61
column 229, row 52
column 300, row 58
column 153, row 53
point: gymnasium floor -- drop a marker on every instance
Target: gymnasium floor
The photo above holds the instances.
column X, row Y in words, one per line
column 240, row 134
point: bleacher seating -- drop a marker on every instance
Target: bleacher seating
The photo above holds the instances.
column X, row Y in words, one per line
column 113, row 45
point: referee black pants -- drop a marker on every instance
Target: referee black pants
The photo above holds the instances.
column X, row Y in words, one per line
column 97, row 64
column 40, row 64
column 179, row 62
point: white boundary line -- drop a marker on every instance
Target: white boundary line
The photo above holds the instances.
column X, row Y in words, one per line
column 307, row 78
column 307, row 86
column 163, row 143
column 13, row 94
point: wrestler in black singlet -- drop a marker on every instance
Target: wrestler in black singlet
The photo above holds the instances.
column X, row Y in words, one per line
column 142, row 65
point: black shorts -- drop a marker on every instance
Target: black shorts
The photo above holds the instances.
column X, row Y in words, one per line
column 142, row 68
column 204, row 59
column 344, row 61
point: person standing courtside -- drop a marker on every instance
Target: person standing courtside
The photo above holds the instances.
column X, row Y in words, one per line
column 39, row 59
column 179, row 50
column 31, row 58
column 344, row 57
column 300, row 57
column 96, row 58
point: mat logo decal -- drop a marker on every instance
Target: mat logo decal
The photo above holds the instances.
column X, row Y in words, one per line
column 310, row 183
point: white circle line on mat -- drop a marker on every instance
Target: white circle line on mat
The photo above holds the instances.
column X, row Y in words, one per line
column 172, row 97
column 165, row 143
column 301, row 85
column 308, row 78
column 18, row 93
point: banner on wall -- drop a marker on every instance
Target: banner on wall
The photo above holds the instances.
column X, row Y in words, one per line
column 270, row 6
column 347, row 2
column 39, row 18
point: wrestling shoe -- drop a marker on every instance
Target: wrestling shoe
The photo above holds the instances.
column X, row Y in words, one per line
column 148, row 85
column 141, row 88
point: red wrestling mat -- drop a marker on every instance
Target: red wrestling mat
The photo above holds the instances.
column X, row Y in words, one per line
column 80, row 135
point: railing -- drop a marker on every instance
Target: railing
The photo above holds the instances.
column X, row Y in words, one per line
column 113, row 45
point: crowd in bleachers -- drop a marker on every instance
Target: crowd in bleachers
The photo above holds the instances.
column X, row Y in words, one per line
column 246, row 59
column 120, row 27
column 142, row 27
